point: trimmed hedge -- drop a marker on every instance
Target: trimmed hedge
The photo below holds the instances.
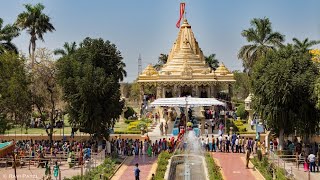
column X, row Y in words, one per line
column 213, row 168
column 127, row 132
column 265, row 168
column 106, row 169
column 163, row 160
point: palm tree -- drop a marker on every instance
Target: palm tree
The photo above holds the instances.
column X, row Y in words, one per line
column 305, row 45
column 67, row 49
column 7, row 33
column 162, row 59
column 263, row 39
column 36, row 23
column 212, row 61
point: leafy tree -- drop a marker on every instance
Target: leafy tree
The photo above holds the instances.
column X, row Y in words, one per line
column 90, row 82
column 242, row 85
column 47, row 94
column 241, row 112
column 305, row 45
column 212, row 61
column 15, row 101
column 263, row 39
column 283, row 83
column 7, row 33
column 36, row 23
column 134, row 92
column 67, row 49
column 162, row 59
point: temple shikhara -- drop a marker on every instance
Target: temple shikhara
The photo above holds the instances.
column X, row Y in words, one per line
column 186, row 72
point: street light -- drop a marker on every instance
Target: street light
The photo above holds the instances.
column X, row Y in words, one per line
column 62, row 114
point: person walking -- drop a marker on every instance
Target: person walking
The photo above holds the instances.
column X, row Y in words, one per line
column 137, row 172
column 312, row 162
column 166, row 127
column 56, row 170
column 248, row 151
column 212, row 125
column 206, row 126
column 161, row 128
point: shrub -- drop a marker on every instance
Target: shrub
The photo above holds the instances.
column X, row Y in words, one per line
column 241, row 112
column 129, row 112
column 238, row 123
column 146, row 120
column 242, row 128
column 213, row 168
column 127, row 121
column 107, row 168
column 263, row 167
column 163, row 158
column 142, row 124
column 127, row 132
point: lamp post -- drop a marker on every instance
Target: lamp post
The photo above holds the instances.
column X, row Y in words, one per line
column 186, row 114
column 63, row 139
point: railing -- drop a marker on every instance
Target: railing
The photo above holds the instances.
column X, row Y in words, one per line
column 289, row 163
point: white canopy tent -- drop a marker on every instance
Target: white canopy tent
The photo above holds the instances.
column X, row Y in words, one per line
column 187, row 101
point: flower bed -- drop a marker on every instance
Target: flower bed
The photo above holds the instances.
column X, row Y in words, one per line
column 213, row 168
column 106, row 170
column 163, row 160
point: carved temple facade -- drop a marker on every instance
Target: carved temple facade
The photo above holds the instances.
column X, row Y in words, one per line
column 186, row 72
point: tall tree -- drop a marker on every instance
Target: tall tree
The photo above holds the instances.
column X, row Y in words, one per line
column 262, row 39
column 283, row 84
column 7, row 33
column 47, row 95
column 162, row 59
column 241, row 87
column 67, row 49
column 90, row 82
column 36, row 23
column 212, row 61
column 305, row 45
column 15, row 101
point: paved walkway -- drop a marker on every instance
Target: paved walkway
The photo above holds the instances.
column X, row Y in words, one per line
column 146, row 166
column 233, row 167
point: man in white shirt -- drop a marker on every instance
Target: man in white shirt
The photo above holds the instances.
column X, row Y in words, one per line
column 220, row 142
column 207, row 143
column 237, row 145
column 312, row 160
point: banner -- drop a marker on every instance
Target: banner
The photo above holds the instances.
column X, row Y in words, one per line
column 182, row 7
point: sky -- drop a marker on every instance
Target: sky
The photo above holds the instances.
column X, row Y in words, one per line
column 148, row 27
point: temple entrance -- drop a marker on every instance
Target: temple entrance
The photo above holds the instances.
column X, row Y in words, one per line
column 186, row 91
column 203, row 92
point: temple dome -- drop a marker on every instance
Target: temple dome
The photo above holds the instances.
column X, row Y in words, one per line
column 222, row 70
column 149, row 71
column 185, row 49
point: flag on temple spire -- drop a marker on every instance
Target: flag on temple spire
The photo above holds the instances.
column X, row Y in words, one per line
column 182, row 7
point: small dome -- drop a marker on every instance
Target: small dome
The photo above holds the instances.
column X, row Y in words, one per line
column 185, row 23
column 149, row 71
column 222, row 70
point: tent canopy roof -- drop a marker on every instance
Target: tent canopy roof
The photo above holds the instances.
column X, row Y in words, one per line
column 187, row 101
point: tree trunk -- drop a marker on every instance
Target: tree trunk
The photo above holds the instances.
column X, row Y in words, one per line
column 33, row 45
column 281, row 139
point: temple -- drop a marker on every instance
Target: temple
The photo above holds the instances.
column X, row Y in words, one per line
column 186, row 72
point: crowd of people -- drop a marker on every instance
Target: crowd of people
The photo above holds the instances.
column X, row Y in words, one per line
column 129, row 147
column 231, row 143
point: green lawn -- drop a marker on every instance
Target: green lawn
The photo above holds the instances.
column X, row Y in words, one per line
column 119, row 126
column 18, row 130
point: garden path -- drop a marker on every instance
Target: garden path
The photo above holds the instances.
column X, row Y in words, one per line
column 233, row 167
column 126, row 172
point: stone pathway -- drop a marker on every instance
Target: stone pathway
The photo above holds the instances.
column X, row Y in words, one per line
column 126, row 172
column 233, row 167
